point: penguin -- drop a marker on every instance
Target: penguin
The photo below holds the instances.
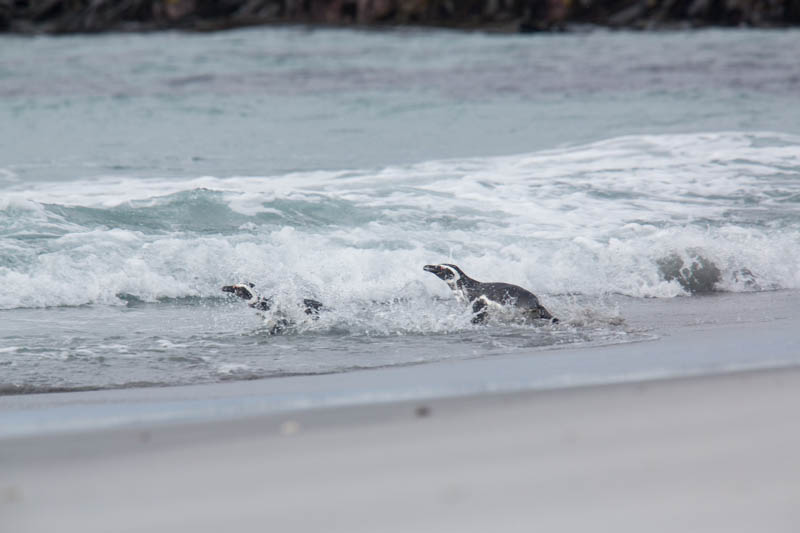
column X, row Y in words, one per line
column 247, row 291
column 280, row 322
column 484, row 297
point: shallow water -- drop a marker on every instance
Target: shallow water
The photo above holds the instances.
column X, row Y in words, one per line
column 140, row 173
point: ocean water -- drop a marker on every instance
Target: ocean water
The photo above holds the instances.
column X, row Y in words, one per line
column 140, row 173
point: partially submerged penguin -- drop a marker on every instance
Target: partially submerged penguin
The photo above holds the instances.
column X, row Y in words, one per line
column 490, row 297
column 281, row 321
column 247, row 291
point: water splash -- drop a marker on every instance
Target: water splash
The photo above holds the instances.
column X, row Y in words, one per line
column 593, row 219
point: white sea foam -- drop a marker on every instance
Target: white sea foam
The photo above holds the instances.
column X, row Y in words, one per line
column 591, row 219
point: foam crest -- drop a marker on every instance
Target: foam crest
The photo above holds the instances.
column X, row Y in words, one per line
column 593, row 219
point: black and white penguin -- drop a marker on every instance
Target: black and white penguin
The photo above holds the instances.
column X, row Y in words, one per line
column 279, row 321
column 490, row 297
column 247, row 291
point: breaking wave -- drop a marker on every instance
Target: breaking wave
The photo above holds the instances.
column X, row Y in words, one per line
column 643, row 216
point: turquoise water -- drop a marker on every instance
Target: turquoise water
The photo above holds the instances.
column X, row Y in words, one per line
column 140, row 173
column 263, row 102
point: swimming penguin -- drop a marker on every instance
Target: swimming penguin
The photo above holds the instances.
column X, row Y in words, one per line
column 487, row 296
column 280, row 321
column 247, row 291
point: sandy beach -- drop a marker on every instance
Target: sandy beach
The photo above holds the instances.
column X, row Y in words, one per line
column 513, row 443
column 698, row 454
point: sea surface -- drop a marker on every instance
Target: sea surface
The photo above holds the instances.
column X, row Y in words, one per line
column 601, row 170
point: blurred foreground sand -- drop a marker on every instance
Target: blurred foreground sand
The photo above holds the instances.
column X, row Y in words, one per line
column 715, row 453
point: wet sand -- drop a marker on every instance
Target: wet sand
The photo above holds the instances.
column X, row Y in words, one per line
column 693, row 336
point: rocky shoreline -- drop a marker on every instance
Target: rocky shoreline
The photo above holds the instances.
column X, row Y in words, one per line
column 86, row 16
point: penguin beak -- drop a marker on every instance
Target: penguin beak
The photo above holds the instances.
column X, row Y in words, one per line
column 228, row 288
column 437, row 271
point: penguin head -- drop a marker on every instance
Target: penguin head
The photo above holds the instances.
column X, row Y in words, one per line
column 446, row 272
column 245, row 291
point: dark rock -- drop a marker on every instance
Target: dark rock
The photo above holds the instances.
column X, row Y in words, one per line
column 699, row 276
column 543, row 15
column 178, row 9
column 5, row 14
column 791, row 11
column 699, row 9
column 258, row 9
column 373, row 11
column 628, row 15
column 58, row 16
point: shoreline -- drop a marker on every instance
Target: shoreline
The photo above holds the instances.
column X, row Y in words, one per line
column 697, row 336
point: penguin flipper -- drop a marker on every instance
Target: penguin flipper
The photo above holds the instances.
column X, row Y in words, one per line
column 480, row 311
